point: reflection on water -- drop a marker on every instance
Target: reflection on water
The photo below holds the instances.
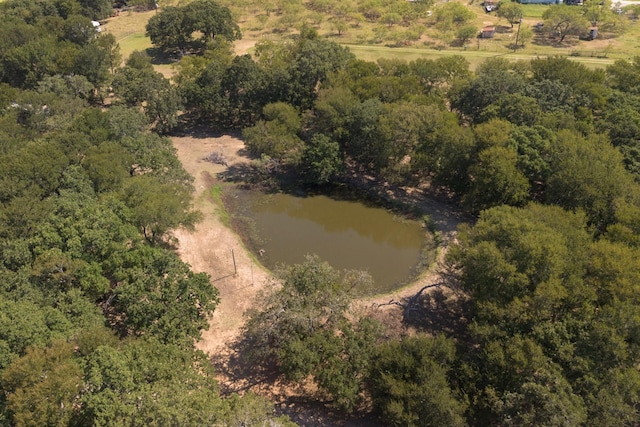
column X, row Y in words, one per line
column 347, row 234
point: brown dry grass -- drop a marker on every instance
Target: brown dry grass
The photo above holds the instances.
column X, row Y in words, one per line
column 129, row 31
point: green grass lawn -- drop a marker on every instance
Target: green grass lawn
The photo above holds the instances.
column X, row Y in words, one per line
column 129, row 29
column 534, row 10
column 474, row 57
column 133, row 42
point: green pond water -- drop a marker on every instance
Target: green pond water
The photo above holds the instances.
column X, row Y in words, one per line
column 346, row 234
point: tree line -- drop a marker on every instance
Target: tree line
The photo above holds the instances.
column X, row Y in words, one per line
column 548, row 130
column 99, row 315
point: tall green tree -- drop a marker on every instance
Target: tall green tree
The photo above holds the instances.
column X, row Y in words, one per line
column 96, row 9
column 202, row 92
column 511, row 11
column 622, row 125
column 564, row 21
column 496, row 180
column 305, row 327
column 516, row 108
column 107, row 166
column 277, row 136
column 466, row 33
column 445, row 152
column 41, row 388
column 158, row 294
column 410, row 383
column 598, row 12
column 24, row 323
column 624, row 75
column 157, row 207
column 495, row 79
column 588, row 173
column 79, row 30
column 137, row 84
column 452, row 14
column 437, row 74
column 563, row 70
column 172, row 28
column 322, row 159
column 298, row 69
column 533, row 146
column 333, row 112
column 212, row 19
column 545, row 319
column 244, row 86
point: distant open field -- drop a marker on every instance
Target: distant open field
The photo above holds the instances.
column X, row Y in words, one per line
column 128, row 28
column 474, row 57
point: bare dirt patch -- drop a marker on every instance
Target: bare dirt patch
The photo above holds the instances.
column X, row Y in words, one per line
column 212, row 247
column 243, row 46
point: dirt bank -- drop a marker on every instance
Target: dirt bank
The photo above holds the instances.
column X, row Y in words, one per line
column 212, row 247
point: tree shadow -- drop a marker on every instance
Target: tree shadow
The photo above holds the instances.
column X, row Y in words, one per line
column 542, row 39
column 503, row 29
column 257, row 177
column 438, row 311
column 459, row 42
column 244, row 369
column 160, row 57
column 190, row 127
column 308, row 413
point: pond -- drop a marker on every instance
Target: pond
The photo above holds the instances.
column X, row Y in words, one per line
column 347, row 234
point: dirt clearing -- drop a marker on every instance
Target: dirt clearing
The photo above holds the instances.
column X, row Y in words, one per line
column 212, row 247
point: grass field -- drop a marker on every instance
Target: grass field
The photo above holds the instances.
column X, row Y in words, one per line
column 128, row 28
column 474, row 57
column 534, row 10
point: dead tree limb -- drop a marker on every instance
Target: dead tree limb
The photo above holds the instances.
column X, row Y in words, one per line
column 391, row 302
column 406, row 306
column 414, row 298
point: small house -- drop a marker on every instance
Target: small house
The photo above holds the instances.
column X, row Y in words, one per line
column 487, row 32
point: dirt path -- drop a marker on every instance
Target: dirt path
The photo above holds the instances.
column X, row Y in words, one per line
column 243, row 46
column 209, row 248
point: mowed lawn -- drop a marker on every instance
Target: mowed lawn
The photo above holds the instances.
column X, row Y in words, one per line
column 128, row 28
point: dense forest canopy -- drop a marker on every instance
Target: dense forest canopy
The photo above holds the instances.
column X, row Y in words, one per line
column 98, row 314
